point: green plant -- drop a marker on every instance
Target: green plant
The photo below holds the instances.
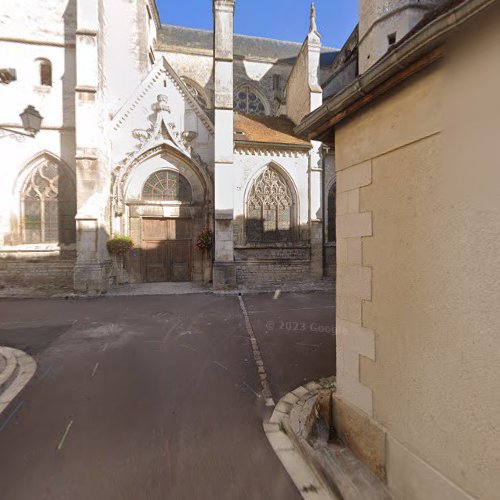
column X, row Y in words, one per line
column 283, row 428
column 205, row 241
column 119, row 245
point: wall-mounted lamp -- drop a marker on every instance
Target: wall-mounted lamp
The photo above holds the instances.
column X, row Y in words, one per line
column 31, row 120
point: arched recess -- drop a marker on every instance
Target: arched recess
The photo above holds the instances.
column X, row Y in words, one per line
column 164, row 158
column 248, row 99
column 44, row 207
column 44, row 72
column 198, row 93
column 164, row 219
column 271, row 206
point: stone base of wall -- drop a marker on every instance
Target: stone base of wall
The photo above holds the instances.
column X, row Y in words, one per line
column 363, row 437
column 330, row 263
column 268, row 272
column 224, row 276
column 92, row 277
column 24, row 273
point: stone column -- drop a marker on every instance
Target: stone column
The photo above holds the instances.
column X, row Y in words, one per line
column 224, row 273
column 93, row 264
column 313, row 48
column 316, row 209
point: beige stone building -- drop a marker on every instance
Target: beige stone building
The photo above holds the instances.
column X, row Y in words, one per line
column 158, row 132
column 418, row 222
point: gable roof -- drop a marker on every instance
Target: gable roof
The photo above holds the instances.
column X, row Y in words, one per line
column 172, row 38
column 266, row 130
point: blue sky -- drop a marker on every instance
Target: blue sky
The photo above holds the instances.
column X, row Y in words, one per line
column 282, row 19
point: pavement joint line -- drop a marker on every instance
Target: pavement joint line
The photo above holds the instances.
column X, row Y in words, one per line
column 94, row 371
column 171, row 329
column 222, row 366
column 250, row 389
column 9, row 418
column 189, row 347
column 47, row 371
column 65, row 435
column 266, row 388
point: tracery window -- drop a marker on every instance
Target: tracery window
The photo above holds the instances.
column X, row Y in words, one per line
column 332, row 214
column 45, row 72
column 167, row 185
column 197, row 93
column 48, row 205
column 269, row 209
column 248, row 102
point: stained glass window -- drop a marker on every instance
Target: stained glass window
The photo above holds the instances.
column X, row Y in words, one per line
column 269, row 208
column 248, row 102
column 167, row 185
column 49, row 205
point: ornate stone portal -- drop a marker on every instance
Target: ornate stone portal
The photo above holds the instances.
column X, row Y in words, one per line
column 161, row 197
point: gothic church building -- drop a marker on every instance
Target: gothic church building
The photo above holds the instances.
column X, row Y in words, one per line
column 159, row 133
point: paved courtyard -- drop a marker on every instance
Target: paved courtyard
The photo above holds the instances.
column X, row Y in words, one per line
column 155, row 397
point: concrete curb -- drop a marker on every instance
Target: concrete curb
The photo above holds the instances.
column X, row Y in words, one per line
column 279, row 431
column 18, row 370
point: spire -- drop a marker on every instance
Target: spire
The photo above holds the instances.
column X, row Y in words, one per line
column 313, row 27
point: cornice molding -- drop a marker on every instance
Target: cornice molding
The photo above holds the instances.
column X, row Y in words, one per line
column 270, row 150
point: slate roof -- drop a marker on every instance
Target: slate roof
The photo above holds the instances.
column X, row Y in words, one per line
column 266, row 129
column 170, row 37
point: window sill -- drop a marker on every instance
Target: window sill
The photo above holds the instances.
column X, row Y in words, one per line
column 43, row 89
column 271, row 244
column 39, row 248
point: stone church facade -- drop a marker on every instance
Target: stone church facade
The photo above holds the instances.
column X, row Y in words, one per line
column 160, row 132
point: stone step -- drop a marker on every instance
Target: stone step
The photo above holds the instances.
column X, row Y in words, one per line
column 18, row 368
column 8, row 368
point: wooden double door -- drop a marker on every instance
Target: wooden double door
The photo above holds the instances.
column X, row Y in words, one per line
column 166, row 249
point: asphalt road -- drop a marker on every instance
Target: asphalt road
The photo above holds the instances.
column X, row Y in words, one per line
column 155, row 397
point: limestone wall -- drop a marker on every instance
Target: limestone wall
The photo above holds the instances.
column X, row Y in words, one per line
column 380, row 18
column 297, row 89
column 51, row 21
column 44, row 31
column 417, row 287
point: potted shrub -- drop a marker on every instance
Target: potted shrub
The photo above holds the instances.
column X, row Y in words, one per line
column 118, row 248
column 205, row 241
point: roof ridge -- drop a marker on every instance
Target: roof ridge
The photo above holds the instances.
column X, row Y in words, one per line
column 254, row 37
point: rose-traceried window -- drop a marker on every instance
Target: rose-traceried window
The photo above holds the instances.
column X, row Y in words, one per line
column 270, row 209
column 197, row 93
column 167, row 185
column 247, row 101
column 48, row 205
